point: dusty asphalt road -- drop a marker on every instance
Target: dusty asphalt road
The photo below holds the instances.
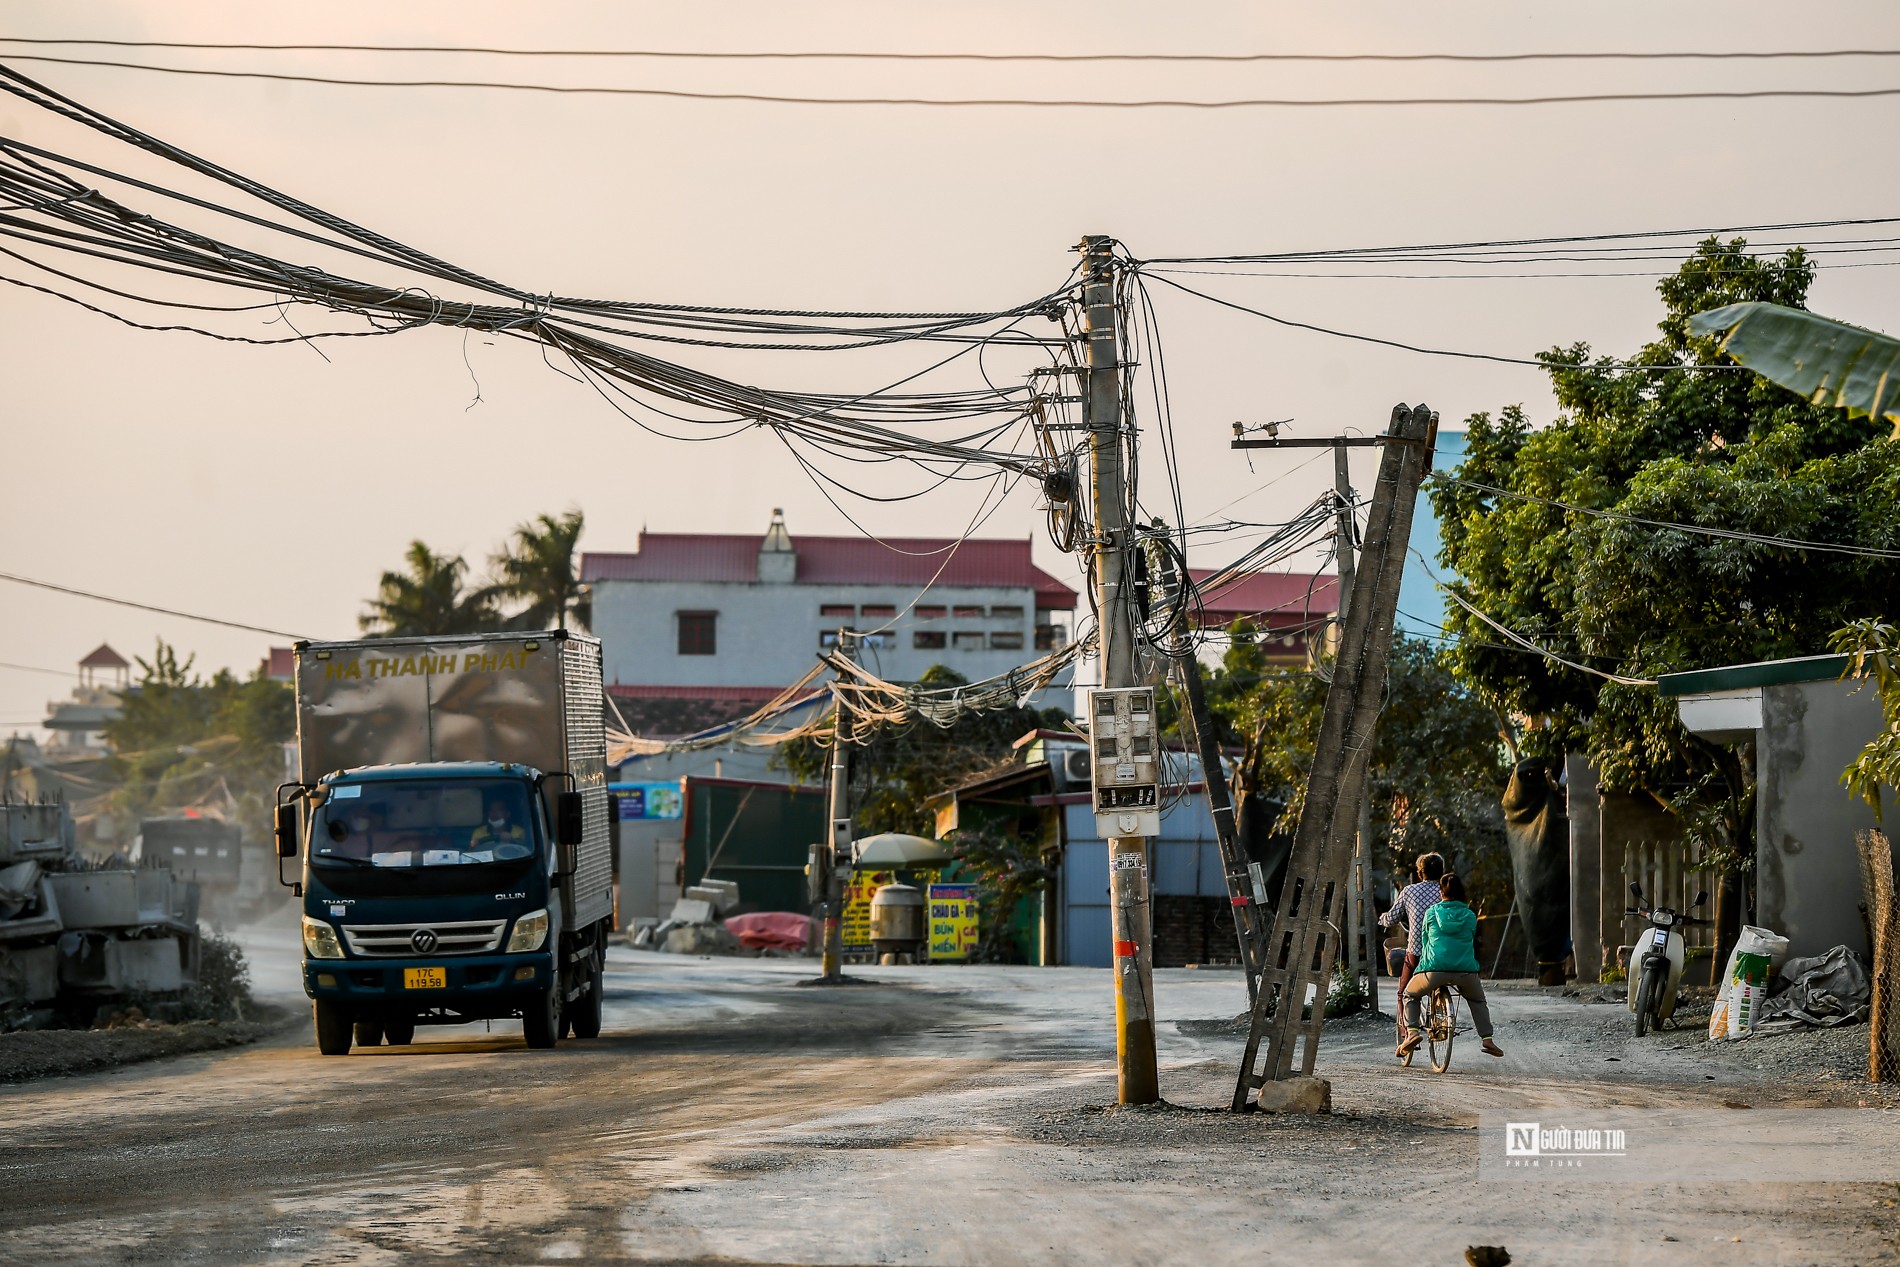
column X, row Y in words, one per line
column 946, row 1115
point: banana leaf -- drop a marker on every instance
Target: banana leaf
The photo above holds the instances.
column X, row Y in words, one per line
column 1829, row 362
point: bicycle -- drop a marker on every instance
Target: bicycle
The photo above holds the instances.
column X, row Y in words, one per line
column 1439, row 1024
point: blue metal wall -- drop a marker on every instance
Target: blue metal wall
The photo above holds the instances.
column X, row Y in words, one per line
column 1184, row 861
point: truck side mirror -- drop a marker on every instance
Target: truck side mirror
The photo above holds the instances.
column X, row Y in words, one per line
column 570, row 819
column 287, row 831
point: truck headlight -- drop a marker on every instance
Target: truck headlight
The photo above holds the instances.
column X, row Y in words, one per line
column 531, row 930
column 320, row 940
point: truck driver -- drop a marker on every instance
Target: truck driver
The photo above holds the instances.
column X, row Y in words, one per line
column 499, row 828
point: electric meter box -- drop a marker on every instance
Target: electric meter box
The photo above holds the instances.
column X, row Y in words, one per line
column 1126, row 743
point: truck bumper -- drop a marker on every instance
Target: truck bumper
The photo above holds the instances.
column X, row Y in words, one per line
column 479, row 986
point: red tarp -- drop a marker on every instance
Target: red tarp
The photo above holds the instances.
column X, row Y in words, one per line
column 770, row 930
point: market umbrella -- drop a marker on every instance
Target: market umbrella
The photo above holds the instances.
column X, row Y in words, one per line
column 895, row 850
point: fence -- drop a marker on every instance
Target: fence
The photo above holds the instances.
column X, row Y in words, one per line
column 1883, row 940
column 1671, row 874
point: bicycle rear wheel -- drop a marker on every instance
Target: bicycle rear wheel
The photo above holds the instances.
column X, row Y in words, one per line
column 1441, row 1026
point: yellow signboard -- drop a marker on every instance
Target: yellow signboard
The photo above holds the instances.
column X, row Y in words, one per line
column 953, row 921
column 857, row 906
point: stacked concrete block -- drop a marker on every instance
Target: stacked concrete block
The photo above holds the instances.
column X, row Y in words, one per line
column 70, row 931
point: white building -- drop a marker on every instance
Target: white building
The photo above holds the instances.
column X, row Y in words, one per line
column 749, row 614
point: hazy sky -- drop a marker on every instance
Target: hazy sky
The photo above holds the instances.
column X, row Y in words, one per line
column 271, row 486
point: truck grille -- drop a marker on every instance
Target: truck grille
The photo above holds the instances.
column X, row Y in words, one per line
column 467, row 937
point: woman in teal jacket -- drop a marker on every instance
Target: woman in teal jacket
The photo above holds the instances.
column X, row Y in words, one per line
column 1448, row 955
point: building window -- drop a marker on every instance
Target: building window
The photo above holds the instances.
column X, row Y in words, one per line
column 880, row 610
column 967, row 640
column 974, row 613
column 1010, row 641
column 928, row 640
column 1049, row 637
column 837, row 609
column 1007, row 613
column 699, row 633
column 929, row 613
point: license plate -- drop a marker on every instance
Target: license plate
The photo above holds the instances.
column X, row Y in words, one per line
column 425, row 978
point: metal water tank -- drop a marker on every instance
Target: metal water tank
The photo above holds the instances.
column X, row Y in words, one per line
column 897, row 923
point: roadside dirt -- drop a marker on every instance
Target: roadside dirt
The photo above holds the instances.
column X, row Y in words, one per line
column 932, row 1116
column 29, row 1054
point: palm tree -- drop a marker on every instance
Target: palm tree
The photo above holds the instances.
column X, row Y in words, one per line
column 428, row 599
column 537, row 568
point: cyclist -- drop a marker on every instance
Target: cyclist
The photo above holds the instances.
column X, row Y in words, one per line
column 1448, row 955
column 1413, row 901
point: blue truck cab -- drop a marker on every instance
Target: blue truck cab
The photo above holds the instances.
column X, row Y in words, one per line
column 430, row 895
column 456, row 857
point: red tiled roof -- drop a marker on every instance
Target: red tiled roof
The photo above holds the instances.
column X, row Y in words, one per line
column 914, row 561
column 1276, row 598
column 666, row 712
column 736, row 694
column 105, row 658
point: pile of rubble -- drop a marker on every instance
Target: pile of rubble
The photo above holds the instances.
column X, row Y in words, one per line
column 703, row 923
column 77, row 934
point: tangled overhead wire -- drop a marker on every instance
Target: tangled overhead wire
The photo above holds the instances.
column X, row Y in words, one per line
column 869, row 704
column 48, row 204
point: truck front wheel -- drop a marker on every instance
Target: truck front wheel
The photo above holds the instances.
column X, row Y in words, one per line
column 333, row 1028
column 541, row 1024
column 585, row 1017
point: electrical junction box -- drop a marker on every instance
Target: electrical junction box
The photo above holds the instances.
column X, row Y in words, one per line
column 1127, row 750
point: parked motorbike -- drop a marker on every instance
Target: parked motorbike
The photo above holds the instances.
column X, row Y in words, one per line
column 1656, row 960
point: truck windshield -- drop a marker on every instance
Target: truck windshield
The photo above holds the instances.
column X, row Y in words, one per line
column 423, row 824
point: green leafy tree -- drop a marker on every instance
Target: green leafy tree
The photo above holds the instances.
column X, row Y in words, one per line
column 1546, row 535
column 1437, row 771
column 182, row 741
column 1875, row 646
column 903, row 766
column 429, row 597
column 538, row 568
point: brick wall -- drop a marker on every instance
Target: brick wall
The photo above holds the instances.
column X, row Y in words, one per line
column 1193, row 930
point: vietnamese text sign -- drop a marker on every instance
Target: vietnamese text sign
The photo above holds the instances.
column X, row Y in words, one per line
column 953, row 921
column 641, row 801
column 856, row 923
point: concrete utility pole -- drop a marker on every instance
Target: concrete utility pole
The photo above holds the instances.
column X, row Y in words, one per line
column 838, row 842
column 1131, row 912
column 1364, row 915
column 1290, row 1009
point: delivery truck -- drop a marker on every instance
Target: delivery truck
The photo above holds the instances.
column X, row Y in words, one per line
column 453, row 828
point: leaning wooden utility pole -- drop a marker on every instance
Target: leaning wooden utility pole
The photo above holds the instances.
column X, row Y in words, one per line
column 1130, row 911
column 1291, row 1005
column 838, row 840
column 1361, row 964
